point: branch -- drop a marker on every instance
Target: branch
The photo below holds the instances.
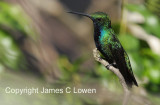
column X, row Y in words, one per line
column 116, row 72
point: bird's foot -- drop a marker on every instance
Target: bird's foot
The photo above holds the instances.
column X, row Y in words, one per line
column 112, row 64
column 108, row 66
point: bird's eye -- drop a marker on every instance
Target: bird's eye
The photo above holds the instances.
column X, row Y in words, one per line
column 99, row 19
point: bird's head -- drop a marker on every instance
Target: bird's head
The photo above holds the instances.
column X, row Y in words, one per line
column 98, row 18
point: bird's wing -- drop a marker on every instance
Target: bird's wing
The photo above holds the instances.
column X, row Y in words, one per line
column 122, row 61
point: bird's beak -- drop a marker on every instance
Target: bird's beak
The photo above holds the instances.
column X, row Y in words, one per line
column 81, row 14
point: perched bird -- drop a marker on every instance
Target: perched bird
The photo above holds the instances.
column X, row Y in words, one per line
column 109, row 45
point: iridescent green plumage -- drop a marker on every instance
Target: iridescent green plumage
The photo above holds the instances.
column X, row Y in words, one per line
column 110, row 47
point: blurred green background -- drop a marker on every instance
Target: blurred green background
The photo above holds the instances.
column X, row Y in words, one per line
column 43, row 46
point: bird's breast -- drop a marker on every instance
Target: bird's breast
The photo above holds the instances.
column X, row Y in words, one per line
column 102, row 40
column 104, row 37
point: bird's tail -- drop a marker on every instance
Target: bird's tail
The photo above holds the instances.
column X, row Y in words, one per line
column 127, row 74
column 126, row 70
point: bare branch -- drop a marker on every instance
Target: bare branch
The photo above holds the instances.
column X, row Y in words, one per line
column 116, row 72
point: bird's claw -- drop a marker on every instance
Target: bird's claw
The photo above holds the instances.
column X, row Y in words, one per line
column 108, row 66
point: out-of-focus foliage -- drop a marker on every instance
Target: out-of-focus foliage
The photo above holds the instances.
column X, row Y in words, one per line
column 153, row 6
column 152, row 22
column 10, row 55
column 12, row 17
column 70, row 70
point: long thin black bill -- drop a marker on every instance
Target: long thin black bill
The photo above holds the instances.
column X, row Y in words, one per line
column 80, row 14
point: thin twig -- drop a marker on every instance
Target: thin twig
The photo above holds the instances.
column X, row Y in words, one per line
column 116, row 72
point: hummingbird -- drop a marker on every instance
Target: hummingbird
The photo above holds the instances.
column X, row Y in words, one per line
column 109, row 45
